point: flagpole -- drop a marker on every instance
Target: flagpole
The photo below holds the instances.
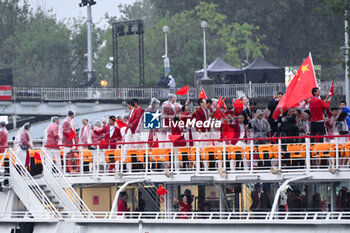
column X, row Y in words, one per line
column 313, row 68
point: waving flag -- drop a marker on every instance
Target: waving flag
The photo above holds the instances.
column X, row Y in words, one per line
column 221, row 103
column 330, row 93
column 238, row 106
column 161, row 190
column 173, row 138
column 72, row 134
column 299, row 88
column 183, row 91
column 218, row 114
column 121, row 124
column 202, row 95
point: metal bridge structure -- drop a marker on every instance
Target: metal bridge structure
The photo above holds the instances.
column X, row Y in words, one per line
column 113, row 95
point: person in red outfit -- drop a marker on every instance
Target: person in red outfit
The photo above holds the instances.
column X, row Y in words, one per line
column 111, row 133
column 317, row 109
column 52, row 139
column 133, row 133
column 3, row 137
column 67, row 126
column 184, row 206
column 240, row 131
column 122, row 205
column 202, row 114
column 176, row 130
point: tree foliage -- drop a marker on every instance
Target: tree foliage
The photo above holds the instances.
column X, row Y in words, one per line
column 44, row 51
column 288, row 28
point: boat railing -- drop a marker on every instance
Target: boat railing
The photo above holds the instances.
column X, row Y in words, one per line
column 192, row 217
column 198, row 157
column 253, row 156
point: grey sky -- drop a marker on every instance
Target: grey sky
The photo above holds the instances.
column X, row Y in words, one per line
column 70, row 9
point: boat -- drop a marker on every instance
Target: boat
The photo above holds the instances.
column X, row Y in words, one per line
column 276, row 187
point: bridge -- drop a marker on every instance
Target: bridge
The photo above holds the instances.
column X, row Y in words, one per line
column 43, row 102
column 113, row 95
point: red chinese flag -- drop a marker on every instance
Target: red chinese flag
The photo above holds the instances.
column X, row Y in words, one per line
column 183, row 91
column 202, row 95
column 218, row 114
column 121, row 124
column 221, row 103
column 228, row 131
column 299, row 88
column 238, row 106
column 173, row 138
column 37, row 156
column 72, row 134
column 161, row 190
column 330, row 93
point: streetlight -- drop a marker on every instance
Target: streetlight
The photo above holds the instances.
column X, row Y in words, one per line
column 89, row 3
column 103, row 83
column 166, row 59
column 204, row 25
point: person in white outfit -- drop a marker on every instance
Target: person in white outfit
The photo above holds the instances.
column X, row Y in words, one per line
column 171, row 84
column 22, row 144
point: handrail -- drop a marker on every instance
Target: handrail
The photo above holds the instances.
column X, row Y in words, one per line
column 200, row 217
column 65, row 185
column 201, row 140
column 228, row 90
column 279, row 190
column 115, row 201
column 17, row 169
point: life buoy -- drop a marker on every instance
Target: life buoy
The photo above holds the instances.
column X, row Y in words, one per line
column 73, row 162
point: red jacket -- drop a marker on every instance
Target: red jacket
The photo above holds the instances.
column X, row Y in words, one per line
column 3, row 140
column 237, row 132
column 67, row 125
column 177, row 131
column 122, row 206
column 317, row 108
column 108, row 139
column 53, row 135
column 201, row 116
column 134, row 119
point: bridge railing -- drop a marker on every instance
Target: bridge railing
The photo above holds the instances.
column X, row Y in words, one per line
column 73, row 94
column 228, row 90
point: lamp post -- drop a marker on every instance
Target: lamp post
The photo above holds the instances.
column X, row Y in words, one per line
column 89, row 3
column 204, row 25
column 166, row 59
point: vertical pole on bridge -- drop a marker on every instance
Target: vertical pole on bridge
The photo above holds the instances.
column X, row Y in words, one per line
column 89, row 42
column 14, row 121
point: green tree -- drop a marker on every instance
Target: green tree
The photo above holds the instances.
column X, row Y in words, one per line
column 185, row 42
column 40, row 52
column 12, row 18
column 288, row 28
